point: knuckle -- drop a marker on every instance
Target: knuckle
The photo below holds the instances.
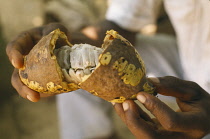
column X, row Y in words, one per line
column 171, row 122
column 167, row 118
column 169, row 79
column 23, row 34
column 171, row 125
column 151, row 105
column 192, row 84
column 195, row 89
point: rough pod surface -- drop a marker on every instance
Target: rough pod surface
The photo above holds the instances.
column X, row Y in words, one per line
column 119, row 74
column 41, row 71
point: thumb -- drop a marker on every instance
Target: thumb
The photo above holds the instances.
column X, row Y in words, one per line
column 181, row 89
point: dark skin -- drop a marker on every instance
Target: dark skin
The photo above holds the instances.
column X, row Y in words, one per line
column 191, row 122
column 194, row 102
column 18, row 48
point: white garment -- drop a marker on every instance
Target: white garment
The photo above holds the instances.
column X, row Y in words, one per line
column 191, row 21
column 133, row 14
column 83, row 116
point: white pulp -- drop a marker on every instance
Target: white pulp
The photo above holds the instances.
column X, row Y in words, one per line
column 77, row 61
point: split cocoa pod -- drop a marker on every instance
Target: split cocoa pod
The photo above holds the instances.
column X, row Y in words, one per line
column 115, row 72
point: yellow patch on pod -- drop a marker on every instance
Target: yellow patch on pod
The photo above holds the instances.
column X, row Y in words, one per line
column 136, row 78
column 43, row 53
column 73, row 86
column 94, row 92
column 120, row 65
column 35, row 86
column 115, row 65
column 113, row 33
column 148, row 88
column 104, row 59
column 119, row 100
column 133, row 96
column 128, row 73
column 53, row 87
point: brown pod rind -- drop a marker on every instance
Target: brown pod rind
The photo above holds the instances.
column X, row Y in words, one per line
column 120, row 74
column 41, row 71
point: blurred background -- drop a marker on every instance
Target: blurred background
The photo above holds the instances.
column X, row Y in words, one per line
column 19, row 118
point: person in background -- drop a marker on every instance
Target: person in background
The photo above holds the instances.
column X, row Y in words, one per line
column 128, row 17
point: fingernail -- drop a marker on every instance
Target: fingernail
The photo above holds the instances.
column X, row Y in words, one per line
column 29, row 98
column 125, row 106
column 113, row 103
column 154, row 80
column 141, row 98
column 13, row 62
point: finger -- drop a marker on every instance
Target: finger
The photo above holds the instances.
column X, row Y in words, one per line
column 144, row 129
column 90, row 32
column 136, row 124
column 170, row 120
column 16, row 58
column 172, row 86
column 24, row 42
column 135, row 108
column 46, row 95
column 19, row 47
column 22, row 89
column 119, row 110
column 161, row 111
